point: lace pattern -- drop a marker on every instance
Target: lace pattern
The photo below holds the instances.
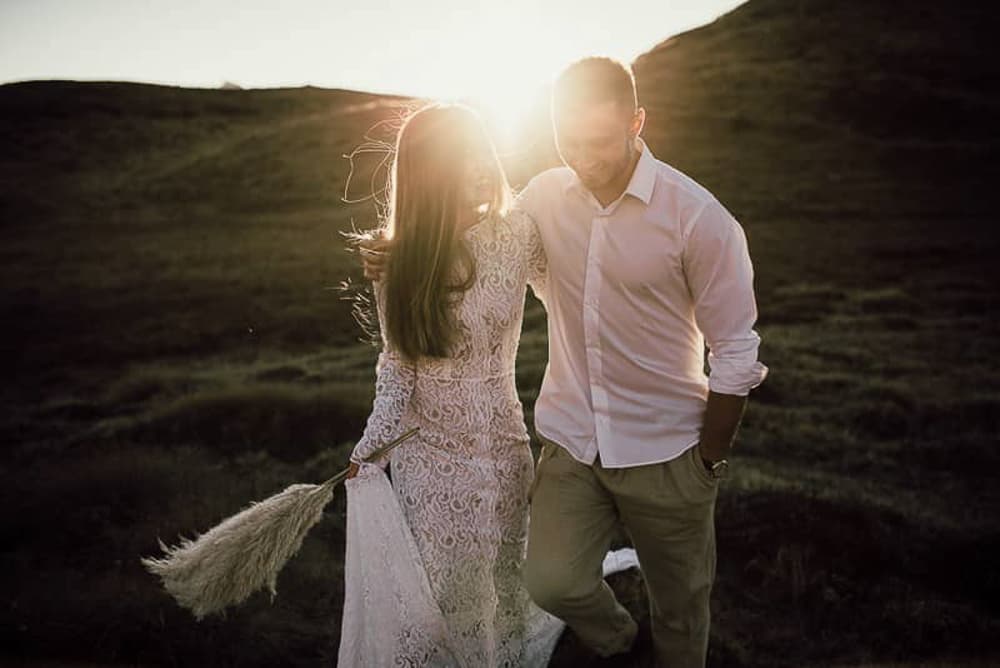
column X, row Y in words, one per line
column 462, row 483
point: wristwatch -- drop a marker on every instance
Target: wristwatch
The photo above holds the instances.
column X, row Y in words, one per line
column 717, row 469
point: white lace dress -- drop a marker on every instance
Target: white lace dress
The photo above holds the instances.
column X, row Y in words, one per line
column 461, row 485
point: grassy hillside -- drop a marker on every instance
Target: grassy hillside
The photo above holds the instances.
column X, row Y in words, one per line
column 818, row 108
column 177, row 343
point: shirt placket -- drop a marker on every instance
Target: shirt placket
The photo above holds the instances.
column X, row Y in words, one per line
column 592, row 331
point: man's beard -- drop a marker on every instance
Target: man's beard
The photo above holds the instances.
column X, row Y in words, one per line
column 630, row 153
column 617, row 168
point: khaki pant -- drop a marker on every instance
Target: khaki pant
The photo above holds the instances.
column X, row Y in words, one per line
column 667, row 509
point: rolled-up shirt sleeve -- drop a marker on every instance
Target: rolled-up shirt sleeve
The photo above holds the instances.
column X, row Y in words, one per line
column 719, row 274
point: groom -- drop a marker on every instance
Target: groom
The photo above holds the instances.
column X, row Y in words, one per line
column 645, row 267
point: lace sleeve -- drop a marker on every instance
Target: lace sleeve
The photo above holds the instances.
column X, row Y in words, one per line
column 394, row 379
column 534, row 251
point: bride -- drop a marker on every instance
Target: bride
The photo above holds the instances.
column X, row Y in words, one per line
column 450, row 304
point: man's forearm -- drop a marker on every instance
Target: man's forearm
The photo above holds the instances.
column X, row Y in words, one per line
column 722, row 419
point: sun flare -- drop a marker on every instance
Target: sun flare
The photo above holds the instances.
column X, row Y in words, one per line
column 502, row 66
column 505, row 110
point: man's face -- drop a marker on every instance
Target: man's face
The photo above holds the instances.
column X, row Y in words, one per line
column 596, row 142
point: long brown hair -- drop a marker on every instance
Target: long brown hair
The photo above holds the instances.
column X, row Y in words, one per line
column 427, row 256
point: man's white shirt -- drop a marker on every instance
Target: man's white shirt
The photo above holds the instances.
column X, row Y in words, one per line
column 633, row 292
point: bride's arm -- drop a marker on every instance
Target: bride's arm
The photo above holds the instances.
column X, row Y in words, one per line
column 394, row 379
column 534, row 251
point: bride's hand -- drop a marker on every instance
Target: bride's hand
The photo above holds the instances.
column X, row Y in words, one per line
column 352, row 470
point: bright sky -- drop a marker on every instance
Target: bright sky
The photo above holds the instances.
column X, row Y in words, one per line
column 498, row 53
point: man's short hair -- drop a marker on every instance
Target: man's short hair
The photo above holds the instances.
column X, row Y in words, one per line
column 595, row 80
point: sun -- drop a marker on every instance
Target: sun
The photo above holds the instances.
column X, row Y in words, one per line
column 502, row 65
column 506, row 109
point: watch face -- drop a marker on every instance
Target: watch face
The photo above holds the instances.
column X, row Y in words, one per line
column 719, row 469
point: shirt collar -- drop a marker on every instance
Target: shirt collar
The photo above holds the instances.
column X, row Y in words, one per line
column 642, row 181
column 644, row 177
